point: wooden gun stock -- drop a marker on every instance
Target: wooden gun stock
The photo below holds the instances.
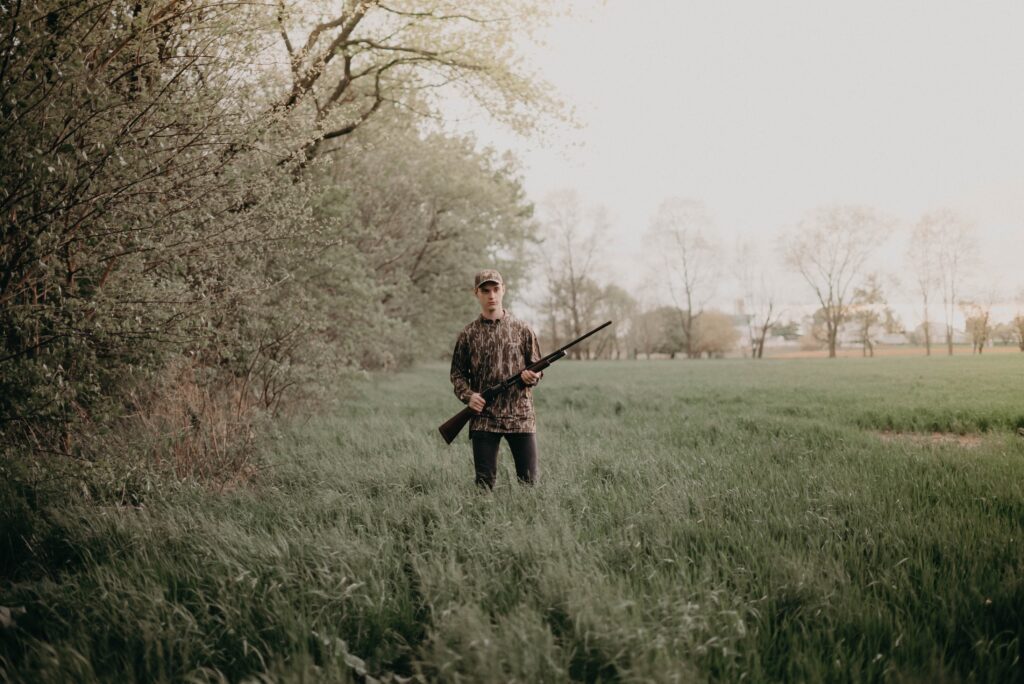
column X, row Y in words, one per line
column 451, row 429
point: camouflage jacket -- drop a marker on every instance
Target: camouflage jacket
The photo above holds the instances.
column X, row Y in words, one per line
column 486, row 353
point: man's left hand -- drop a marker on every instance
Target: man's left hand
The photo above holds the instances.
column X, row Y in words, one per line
column 530, row 378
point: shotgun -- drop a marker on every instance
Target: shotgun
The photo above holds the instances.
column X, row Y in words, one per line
column 451, row 429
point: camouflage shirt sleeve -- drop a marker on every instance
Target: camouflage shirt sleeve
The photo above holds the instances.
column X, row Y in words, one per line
column 461, row 374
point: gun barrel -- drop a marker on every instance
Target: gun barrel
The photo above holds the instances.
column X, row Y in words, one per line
column 583, row 337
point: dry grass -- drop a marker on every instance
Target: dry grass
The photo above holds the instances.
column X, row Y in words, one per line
column 969, row 441
column 199, row 431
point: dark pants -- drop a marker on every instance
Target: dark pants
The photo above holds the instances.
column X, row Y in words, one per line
column 485, row 456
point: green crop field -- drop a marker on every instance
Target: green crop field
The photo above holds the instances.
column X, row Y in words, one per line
column 798, row 520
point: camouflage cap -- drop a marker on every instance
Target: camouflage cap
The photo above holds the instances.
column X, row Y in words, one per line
column 488, row 275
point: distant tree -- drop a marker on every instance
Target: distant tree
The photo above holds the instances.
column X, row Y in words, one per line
column 1018, row 326
column 659, row 332
column 815, row 333
column 955, row 248
column 977, row 316
column 619, row 306
column 979, row 329
column 830, row 249
column 789, row 331
column 1005, row 333
column 924, row 261
column 571, row 251
column 870, row 314
column 759, row 300
column 646, row 330
column 715, row 334
column 679, row 233
column 918, row 333
column 866, row 316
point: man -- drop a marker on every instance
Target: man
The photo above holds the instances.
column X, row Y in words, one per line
column 493, row 348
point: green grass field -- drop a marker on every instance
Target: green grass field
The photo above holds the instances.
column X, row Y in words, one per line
column 714, row 520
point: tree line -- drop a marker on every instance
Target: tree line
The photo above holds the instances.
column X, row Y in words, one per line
column 830, row 250
column 212, row 209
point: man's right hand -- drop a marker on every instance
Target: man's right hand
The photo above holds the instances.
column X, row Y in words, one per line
column 477, row 402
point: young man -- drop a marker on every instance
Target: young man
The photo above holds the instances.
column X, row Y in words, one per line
column 492, row 348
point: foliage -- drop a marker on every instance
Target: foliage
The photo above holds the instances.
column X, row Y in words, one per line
column 160, row 214
column 348, row 61
column 715, row 334
column 659, row 332
column 870, row 314
column 977, row 325
column 424, row 212
column 130, row 184
column 618, row 306
column 1005, row 333
column 790, row 330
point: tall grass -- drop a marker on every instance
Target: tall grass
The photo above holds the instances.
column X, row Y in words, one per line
column 694, row 521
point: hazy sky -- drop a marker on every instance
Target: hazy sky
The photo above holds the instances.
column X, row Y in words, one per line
column 764, row 110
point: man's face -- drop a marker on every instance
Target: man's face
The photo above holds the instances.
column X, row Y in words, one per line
column 489, row 296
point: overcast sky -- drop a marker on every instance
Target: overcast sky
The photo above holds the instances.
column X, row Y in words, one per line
column 764, row 110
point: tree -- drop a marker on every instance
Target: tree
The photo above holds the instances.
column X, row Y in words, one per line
column 923, row 256
column 759, row 301
column 789, row 331
column 715, row 334
column 616, row 304
column 977, row 316
column 570, row 251
column 978, row 328
column 1018, row 325
column 134, row 207
column 1005, row 333
column 346, row 60
column 955, row 250
column 646, row 329
column 679, row 234
column 816, row 334
column 830, row 249
column 147, row 222
column 423, row 212
column 870, row 314
column 668, row 337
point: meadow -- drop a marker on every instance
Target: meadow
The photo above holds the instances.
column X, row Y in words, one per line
column 780, row 520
